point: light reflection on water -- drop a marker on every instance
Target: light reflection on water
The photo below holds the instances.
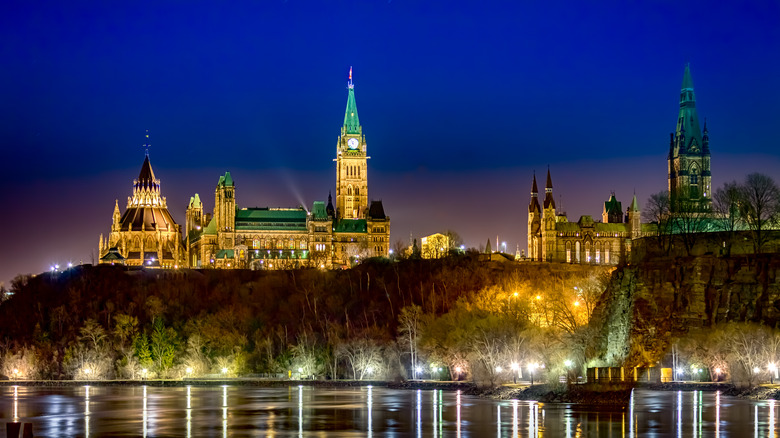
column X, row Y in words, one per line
column 369, row 411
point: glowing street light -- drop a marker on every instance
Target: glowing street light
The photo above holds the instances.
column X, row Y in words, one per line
column 515, row 368
column 531, row 368
column 189, row 370
column 16, row 373
column 370, row 370
column 772, row 372
column 756, row 370
column 499, row 369
column 224, row 370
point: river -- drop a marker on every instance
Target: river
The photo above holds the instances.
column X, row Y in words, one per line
column 370, row 411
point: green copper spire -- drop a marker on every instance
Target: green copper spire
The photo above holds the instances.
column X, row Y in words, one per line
column 688, row 121
column 351, row 122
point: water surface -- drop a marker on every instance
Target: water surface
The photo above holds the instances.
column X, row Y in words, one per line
column 370, row 411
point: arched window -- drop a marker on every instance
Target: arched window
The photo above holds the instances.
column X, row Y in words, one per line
column 568, row 252
column 577, row 252
column 598, row 252
column 349, row 190
column 587, row 252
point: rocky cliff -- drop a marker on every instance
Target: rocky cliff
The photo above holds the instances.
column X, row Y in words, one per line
column 648, row 303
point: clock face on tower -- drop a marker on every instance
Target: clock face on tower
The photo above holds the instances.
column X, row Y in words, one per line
column 352, row 143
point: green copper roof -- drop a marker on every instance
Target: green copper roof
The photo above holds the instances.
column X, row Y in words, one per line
column 285, row 219
column 318, row 211
column 211, row 228
column 634, row 205
column 351, row 122
column 688, row 119
column 225, row 180
column 195, row 201
column 687, row 80
column 225, row 254
column 351, row 226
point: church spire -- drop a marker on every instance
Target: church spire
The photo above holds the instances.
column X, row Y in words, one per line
column 351, row 122
column 688, row 131
column 549, row 201
column 533, row 207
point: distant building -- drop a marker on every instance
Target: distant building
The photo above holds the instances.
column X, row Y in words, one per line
column 145, row 233
column 275, row 238
column 689, row 156
column 551, row 237
column 434, row 246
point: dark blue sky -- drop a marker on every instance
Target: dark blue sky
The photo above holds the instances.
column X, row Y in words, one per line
column 459, row 103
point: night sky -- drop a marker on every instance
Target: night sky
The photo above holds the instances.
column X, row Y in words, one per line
column 459, row 104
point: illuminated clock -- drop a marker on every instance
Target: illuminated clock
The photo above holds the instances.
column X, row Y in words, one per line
column 352, row 143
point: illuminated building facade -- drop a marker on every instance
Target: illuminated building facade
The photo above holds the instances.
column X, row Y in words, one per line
column 145, row 234
column 434, row 246
column 552, row 238
column 279, row 238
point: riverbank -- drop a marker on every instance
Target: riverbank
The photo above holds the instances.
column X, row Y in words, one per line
column 270, row 383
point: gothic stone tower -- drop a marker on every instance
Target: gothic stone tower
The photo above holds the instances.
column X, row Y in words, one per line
column 548, row 222
column 689, row 156
column 225, row 210
column 351, row 172
column 534, row 225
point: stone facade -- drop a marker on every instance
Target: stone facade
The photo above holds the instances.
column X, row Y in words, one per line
column 552, row 238
column 279, row 238
column 145, row 234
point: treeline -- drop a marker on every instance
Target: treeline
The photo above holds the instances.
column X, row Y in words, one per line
column 457, row 317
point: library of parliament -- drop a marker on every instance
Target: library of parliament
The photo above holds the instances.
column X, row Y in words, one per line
column 233, row 237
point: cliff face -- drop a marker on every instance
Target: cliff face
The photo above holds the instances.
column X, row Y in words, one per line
column 646, row 304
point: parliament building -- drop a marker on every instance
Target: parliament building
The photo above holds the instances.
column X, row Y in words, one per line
column 234, row 237
column 552, row 238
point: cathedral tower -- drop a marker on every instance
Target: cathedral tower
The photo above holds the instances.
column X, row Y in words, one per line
column 534, row 225
column 689, row 156
column 351, row 172
column 548, row 221
column 225, row 209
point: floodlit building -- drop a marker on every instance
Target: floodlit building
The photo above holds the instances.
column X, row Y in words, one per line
column 551, row 237
column 327, row 236
column 434, row 246
column 145, row 233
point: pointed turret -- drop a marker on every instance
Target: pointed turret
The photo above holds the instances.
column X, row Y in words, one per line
column 329, row 209
column 147, row 174
column 351, row 122
column 634, row 205
column 549, row 201
column 533, row 207
column 688, row 131
column 488, row 249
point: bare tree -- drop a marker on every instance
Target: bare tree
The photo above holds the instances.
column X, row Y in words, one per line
column 658, row 210
column 725, row 205
column 760, row 204
column 410, row 324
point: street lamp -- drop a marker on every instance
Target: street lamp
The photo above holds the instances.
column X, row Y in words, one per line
column 224, row 370
column 772, row 372
column 531, row 368
column 514, row 367
column 189, row 371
